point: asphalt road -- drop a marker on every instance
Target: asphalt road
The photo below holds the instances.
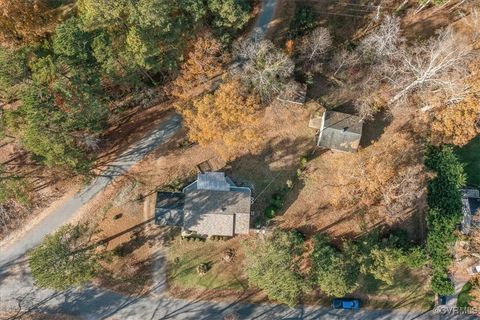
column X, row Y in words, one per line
column 264, row 19
column 19, row 296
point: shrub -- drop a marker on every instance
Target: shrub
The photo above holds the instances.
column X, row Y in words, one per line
column 120, row 251
column 270, row 212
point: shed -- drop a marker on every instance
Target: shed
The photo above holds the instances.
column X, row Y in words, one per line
column 471, row 206
column 340, row 131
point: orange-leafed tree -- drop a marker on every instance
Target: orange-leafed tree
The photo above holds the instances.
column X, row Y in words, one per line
column 206, row 61
column 456, row 124
column 228, row 120
column 25, row 21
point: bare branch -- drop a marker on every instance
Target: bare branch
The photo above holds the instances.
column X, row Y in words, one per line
column 264, row 67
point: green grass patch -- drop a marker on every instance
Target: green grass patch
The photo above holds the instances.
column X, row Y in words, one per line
column 470, row 156
column 184, row 257
column 464, row 296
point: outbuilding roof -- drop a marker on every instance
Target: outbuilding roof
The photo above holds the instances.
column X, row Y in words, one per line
column 340, row 131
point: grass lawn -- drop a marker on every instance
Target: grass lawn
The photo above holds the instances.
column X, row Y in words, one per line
column 464, row 296
column 409, row 290
column 184, row 257
column 470, row 156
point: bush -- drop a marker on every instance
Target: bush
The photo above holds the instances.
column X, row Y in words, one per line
column 441, row 284
column 464, row 297
column 270, row 212
column 303, row 161
column 120, row 251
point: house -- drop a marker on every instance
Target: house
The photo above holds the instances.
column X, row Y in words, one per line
column 471, row 206
column 211, row 206
column 338, row 131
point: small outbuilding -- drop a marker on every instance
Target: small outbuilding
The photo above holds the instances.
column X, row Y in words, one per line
column 338, row 131
column 471, row 206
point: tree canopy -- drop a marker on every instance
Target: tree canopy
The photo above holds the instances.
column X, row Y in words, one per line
column 444, row 213
column 335, row 273
column 64, row 259
column 272, row 265
column 228, row 119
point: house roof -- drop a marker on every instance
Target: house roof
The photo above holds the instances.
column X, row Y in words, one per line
column 212, row 205
column 205, row 211
column 341, row 131
column 169, row 208
column 471, row 201
column 210, row 224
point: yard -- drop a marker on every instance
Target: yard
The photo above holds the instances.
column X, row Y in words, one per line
column 185, row 255
column 470, row 156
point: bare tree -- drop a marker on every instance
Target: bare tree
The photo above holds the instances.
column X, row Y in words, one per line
column 365, row 108
column 384, row 41
column 344, row 59
column 263, row 67
column 473, row 21
column 403, row 190
column 315, row 44
column 439, row 64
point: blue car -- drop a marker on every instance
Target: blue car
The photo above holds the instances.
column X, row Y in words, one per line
column 345, row 303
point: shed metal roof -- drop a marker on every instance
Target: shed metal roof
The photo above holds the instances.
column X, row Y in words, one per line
column 212, row 181
column 341, row 131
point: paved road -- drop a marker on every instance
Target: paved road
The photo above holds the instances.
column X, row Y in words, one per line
column 264, row 19
column 62, row 214
column 95, row 303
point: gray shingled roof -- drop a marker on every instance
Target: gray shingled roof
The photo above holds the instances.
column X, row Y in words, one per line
column 341, row 131
column 212, row 205
column 205, row 211
column 169, row 208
